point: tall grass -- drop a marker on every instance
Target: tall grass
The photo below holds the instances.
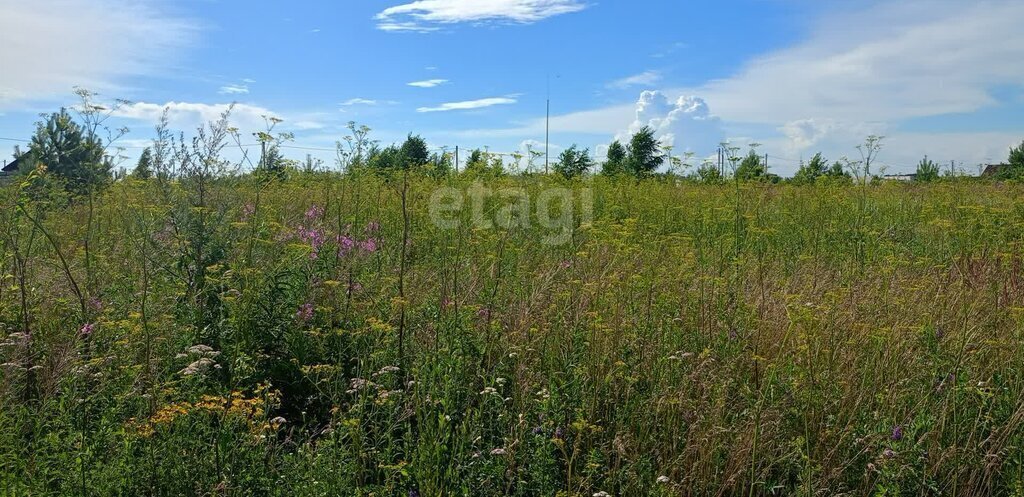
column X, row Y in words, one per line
column 243, row 337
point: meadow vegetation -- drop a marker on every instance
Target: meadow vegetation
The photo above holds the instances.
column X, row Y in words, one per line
column 203, row 331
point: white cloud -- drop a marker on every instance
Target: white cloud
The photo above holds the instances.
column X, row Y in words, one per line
column 359, row 101
column 685, row 124
column 646, row 78
column 469, row 104
column 189, row 115
column 430, row 83
column 425, row 15
column 906, row 59
column 49, row 46
column 234, row 89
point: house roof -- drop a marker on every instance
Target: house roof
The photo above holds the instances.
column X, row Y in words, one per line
column 13, row 166
column 993, row 169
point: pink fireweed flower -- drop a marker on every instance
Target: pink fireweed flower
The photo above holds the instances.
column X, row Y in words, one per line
column 305, row 312
column 315, row 212
column 345, row 245
column 87, row 329
column 370, row 245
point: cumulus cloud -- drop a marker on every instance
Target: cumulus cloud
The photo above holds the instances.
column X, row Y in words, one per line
column 469, row 104
column 427, row 15
column 685, row 124
column 430, row 83
column 646, row 78
column 49, row 46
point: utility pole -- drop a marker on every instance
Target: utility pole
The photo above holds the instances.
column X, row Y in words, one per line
column 547, row 132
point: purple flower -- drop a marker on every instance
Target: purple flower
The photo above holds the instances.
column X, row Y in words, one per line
column 372, row 227
column 96, row 304
column 559, row 434
column 87, row 329
column 305, row 312
column 537, row 430
column 897, row 433
column 370, row 245
column 315, row 212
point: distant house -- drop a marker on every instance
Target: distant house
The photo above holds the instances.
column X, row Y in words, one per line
column 993, row 170
column 11, row 167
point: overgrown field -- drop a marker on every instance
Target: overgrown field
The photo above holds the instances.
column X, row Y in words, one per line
column 311, row 336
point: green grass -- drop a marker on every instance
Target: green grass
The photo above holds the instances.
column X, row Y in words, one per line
column 818, row 340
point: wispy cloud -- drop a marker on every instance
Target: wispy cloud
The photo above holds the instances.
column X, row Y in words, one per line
column 646, row 78
column 426, row 15
column 430, row 83
column 234, row 89
column 367, row 101
column 38, row 61
column 469, row 104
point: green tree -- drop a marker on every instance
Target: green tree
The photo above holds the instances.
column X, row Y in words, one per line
column 709, row 173
column 144, row 168
column 752, row 168
column 927, row 170
column 573, row 162
column 811, row 171
column 615, row 163
column 644, row 153
column 414, row 152
column 74, row 156
column 385, row 159
column 1015, row 161
column 837, row 171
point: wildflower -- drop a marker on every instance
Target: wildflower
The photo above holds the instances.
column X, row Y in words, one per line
column 372, row 227
column 888, row 453
column 601, row 494
column 663, row 479
column 202, row 350
column 897, row 433
column 87, row 330
column 278, row 421
column 369, row 246
column 96, row 304
column 537, row 430
column 565, row 264
column 488, row 391
column 414, row 493
column 315, row 212
column 559, row 434
column 345, row 245
column 498, row 452
column 305, row 312
column 201, row 365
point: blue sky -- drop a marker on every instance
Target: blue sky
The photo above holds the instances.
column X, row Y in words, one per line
column 935, row 77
